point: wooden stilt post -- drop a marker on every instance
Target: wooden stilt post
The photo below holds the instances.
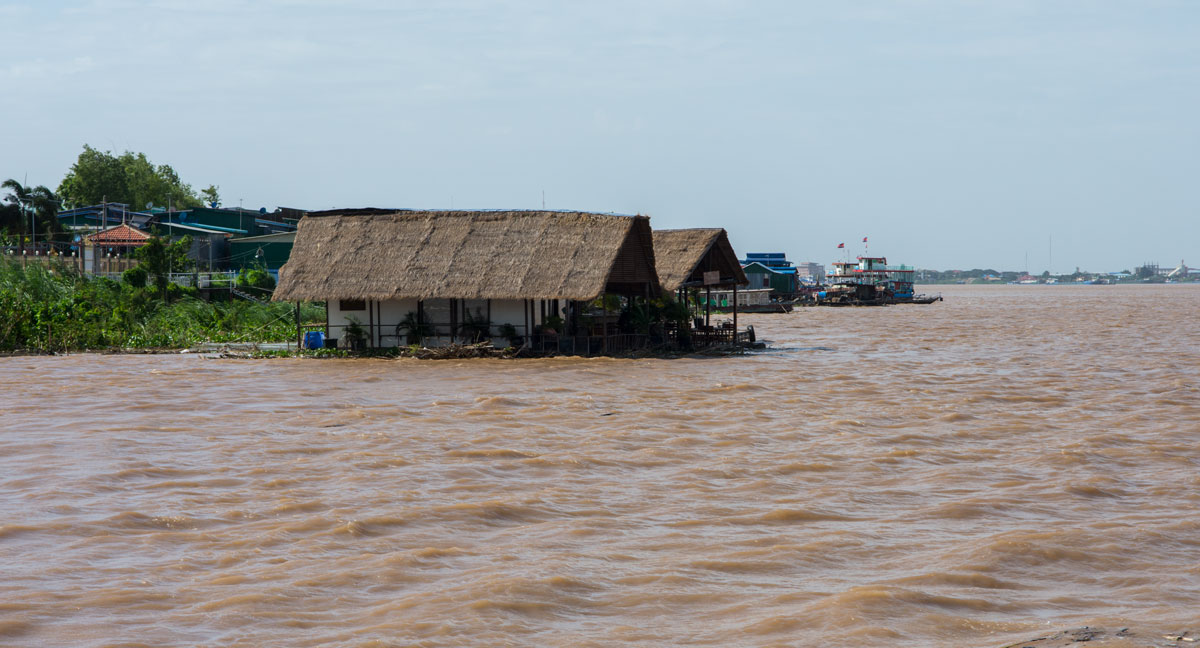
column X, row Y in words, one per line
column 735, row 307
column 707, row 305
column 299, row 331
column 525, row 308
column 371, row 323
column 604, row 321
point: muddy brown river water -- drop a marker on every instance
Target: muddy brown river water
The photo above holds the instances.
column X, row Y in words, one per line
column 961, row 474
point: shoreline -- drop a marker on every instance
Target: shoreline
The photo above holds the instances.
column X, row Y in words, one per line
column 256, row 351
column 1102, row 638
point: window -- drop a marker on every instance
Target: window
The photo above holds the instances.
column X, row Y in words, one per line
column 352, row 305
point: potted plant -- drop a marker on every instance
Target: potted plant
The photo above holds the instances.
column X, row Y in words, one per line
column 415, row 328
column 552, row 325
column 356, row 337
column 509, row 332
column 475, row 328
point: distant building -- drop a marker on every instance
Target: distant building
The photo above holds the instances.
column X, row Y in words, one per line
column 809, row 272
column 771, row 270
column 269, row 250
column 101, row 216
column 101, row 248
column 237, row 222
column 212, row 231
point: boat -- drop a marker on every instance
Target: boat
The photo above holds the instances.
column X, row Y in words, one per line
column 769, row 307
column 757, row 300
column 870, row 281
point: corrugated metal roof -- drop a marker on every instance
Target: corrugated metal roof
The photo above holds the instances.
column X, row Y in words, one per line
column 207, row 229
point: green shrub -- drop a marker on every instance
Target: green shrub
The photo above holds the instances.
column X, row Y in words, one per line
column 255, row 278
column 135, row 276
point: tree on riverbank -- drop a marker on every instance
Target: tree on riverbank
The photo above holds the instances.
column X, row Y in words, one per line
column 159, row 259
column 129, row 178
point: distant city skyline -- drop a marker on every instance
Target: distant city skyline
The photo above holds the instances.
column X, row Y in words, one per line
column 952, row 134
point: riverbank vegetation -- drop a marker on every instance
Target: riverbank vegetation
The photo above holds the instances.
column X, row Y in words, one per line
column 52, row 308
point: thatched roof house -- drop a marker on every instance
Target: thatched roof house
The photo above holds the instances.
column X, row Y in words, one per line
column 683, row 256
column 499, row 255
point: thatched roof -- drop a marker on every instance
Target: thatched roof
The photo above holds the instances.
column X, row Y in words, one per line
column 352, row 211
column 469, row 255
column 683, row 255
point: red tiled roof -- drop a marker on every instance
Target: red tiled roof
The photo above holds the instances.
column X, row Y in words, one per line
column 121, row 234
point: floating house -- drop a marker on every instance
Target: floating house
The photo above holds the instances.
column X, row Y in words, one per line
column 771, row 270
column 691, row 260
column 448, row 271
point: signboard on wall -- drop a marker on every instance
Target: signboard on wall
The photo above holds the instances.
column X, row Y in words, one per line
column 712, row 277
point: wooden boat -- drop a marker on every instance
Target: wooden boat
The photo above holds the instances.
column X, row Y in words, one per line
column 772, row 307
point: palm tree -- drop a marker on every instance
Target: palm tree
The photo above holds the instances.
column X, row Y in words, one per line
column 38, row 203
column 45, row 208
column 19, row 194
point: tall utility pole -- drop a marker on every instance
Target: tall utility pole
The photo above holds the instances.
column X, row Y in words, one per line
column 25, row 204
column 32, row 217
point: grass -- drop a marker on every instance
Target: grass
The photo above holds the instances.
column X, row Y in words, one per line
column 46, row 308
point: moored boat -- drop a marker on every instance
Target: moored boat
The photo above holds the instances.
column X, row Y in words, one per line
column 870, row 281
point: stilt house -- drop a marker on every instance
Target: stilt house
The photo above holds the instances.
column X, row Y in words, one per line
column 696, row 262
column 460, row 271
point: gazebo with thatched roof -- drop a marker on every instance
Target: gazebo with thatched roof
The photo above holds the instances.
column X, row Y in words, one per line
column 691, row 259
column 447, row 272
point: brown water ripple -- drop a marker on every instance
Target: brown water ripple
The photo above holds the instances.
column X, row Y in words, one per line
column 960, row 474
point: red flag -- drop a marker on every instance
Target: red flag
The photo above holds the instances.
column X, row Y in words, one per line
column 841, row 245
column 864, row 239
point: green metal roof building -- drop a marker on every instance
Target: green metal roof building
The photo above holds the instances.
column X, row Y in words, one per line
column 781, row 281
column 271, row 250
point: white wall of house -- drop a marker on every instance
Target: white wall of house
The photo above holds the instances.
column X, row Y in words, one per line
column 387, row 314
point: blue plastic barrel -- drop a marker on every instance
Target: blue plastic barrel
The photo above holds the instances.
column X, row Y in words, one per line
column 314, row 340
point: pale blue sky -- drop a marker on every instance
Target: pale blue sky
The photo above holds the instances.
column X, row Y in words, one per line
column 953, row 133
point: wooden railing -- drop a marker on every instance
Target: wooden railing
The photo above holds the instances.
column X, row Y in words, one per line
column 589, row 345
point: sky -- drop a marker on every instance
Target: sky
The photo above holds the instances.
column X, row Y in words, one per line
column 1014, row 134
